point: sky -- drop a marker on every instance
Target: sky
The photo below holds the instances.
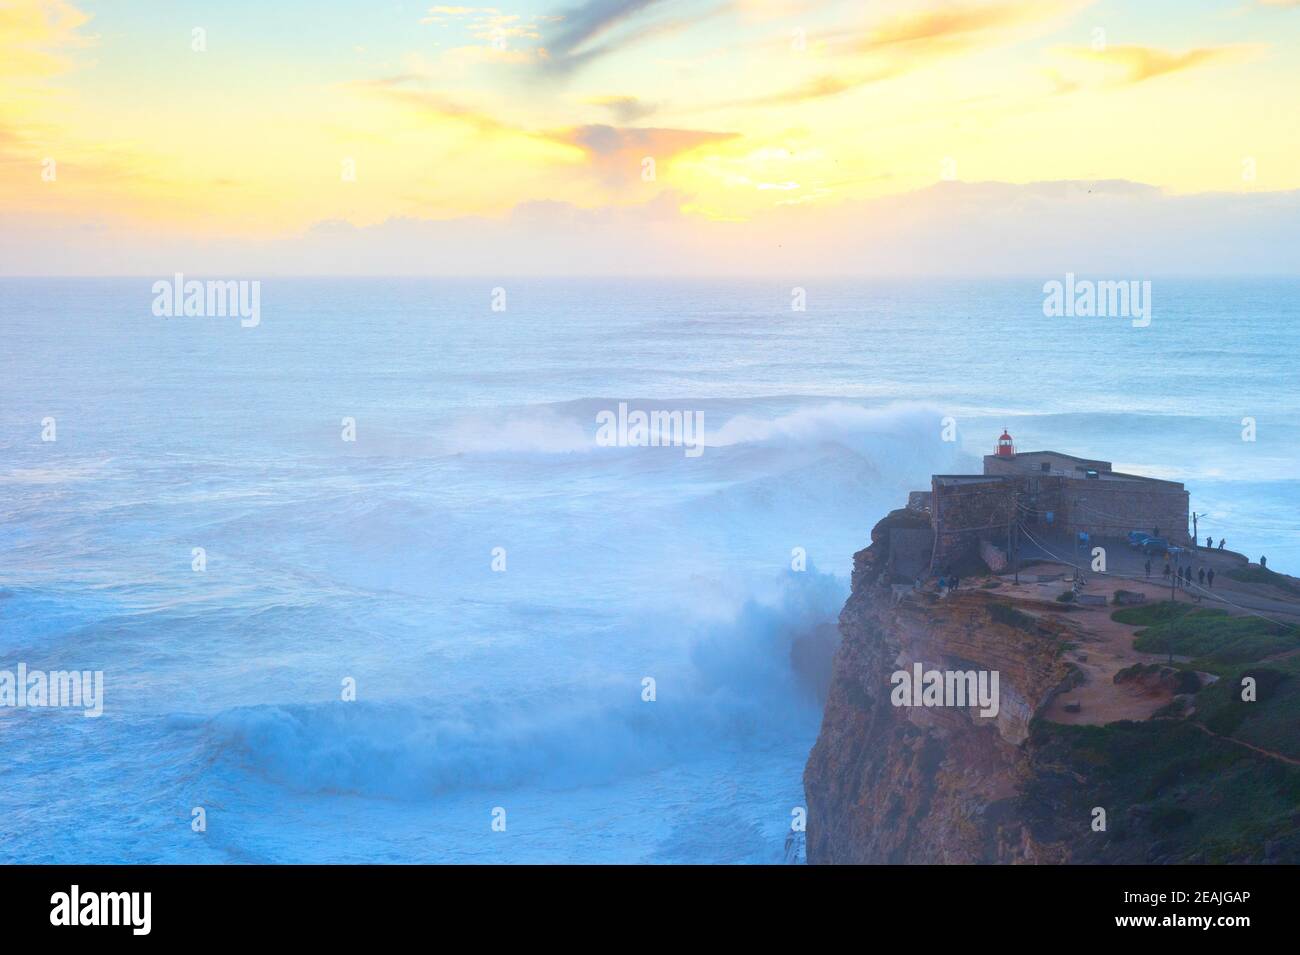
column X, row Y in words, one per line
column 558, row 134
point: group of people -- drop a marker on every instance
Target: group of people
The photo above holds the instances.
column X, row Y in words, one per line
column 1183, row 575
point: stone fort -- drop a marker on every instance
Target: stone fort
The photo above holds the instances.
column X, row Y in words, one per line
column 1046, row 494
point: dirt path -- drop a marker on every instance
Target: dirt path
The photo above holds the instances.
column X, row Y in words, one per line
column 1104, row 648
column 1240, row 742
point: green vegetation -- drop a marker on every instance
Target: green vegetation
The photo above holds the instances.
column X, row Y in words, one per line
column 1268, row 721
column 1213, row 639
column 1011, row 617
column 1184, row 788
column 1148, row 615
column 1066, row 597
column 1171, row 791
column 1254, row 574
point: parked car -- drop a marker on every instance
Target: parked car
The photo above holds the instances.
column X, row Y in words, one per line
column 1155, row 545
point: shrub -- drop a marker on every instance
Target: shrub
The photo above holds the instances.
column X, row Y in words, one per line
column 1011, row 617
column 1254, row 574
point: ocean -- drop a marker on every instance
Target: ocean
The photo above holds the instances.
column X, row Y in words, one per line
column 560, row 650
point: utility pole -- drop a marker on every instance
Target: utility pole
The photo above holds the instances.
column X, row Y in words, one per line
column 1170, row 634
column 1016, row 546
column 1078, row 509
column 1011, row 519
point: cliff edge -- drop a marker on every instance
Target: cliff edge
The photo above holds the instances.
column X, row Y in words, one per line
column 1186, row 771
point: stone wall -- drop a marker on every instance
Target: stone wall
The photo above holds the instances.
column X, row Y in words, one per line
column 964, row 513
column 967, row 510
column 1113, row 508
column 994, row 557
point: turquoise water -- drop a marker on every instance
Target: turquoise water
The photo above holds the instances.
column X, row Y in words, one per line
column 475, row 430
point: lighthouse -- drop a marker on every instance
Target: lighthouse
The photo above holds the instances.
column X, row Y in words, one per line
column 1005, row 448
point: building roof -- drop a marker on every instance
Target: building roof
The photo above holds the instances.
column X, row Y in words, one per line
column 1028, row 456
column 1032, row 461
column 968, row 478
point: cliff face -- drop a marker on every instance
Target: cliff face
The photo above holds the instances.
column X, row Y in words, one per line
column 899, row 784
column 918, row 784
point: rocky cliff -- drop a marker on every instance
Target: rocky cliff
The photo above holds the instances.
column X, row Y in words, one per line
column 924, row 784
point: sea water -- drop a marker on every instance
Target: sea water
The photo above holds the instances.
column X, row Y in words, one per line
column 560, row 649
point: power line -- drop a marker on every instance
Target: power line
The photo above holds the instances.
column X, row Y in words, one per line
column 1187, row 583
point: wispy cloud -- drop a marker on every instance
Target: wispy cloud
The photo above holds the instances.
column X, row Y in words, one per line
column 625, row 109
column 1129, row 64
column 36, row 40
column 34, row 35
column 599, row 28
column 617, row 153
column 906, row 42
column 399, row 91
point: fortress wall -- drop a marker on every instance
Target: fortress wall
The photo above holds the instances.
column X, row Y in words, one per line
column 1113, row 508
column 918, row 500
column 963, row 514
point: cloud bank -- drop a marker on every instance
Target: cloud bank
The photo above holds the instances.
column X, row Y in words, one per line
column 953, row 228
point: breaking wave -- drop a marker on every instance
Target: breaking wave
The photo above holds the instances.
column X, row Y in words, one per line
column 737, row 682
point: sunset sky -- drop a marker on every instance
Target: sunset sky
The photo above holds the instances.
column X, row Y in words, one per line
column 747, row 107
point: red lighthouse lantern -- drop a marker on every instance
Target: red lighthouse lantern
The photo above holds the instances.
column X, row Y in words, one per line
column 1005, row 448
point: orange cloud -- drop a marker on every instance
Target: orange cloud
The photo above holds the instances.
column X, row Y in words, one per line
column 615, row 152
column 910, row 41
column 31, row 34
column 626, row 109
column 1134, row 64
column 956, row 22
column 618, row 153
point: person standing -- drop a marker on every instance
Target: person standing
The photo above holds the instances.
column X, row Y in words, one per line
column 1209, row 578
column 1222, row 541
column 1200, row 576
column 1148, row 565
column 1209, row 542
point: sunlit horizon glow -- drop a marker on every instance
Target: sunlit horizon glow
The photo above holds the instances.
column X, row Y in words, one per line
column 745, row 107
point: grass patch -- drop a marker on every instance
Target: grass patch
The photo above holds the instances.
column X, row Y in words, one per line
column 1148, row 615
column 1254, row 574
column 1011, row 617
column 1213, row 638
column 1171, row 793
column 1268, row 721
